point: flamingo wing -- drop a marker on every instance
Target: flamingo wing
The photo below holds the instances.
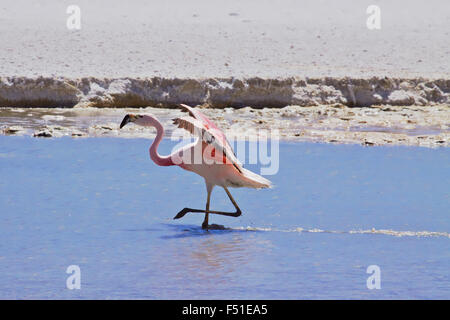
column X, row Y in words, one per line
column 199, row 124
column 210, row 126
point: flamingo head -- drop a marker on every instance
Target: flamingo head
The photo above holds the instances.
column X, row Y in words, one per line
column 141, row 120
column 129, row 118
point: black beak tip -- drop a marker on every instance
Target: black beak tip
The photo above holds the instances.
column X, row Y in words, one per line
column 125, row 120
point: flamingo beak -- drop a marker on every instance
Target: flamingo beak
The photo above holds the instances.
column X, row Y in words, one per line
column 126, row 119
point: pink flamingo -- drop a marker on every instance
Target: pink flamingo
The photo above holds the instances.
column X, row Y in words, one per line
column 218, row 164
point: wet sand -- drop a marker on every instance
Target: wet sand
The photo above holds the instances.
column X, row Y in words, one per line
column 380, row 125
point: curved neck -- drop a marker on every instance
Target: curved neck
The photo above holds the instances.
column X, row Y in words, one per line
column 159, row 160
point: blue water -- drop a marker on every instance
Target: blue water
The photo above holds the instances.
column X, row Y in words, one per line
column 101, row 204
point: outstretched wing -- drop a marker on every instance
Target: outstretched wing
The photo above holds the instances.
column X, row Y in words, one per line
column 198, row 124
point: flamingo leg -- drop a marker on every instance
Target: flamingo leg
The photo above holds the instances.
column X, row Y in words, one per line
column 238, row 212
column 205, row 222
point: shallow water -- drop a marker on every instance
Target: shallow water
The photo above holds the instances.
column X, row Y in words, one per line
column 101, row 204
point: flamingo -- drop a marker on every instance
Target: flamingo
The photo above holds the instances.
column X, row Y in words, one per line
column 218, row 164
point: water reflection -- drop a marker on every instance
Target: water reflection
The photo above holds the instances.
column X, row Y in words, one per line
column 210, row 258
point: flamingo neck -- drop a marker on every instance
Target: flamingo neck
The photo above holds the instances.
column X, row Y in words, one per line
column 154, row 155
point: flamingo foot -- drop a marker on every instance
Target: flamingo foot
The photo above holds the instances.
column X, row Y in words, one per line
column 183, row 212
column 213, row 227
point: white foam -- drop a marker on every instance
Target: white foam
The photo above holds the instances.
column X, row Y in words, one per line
column 368, row 231
column 403, row 233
